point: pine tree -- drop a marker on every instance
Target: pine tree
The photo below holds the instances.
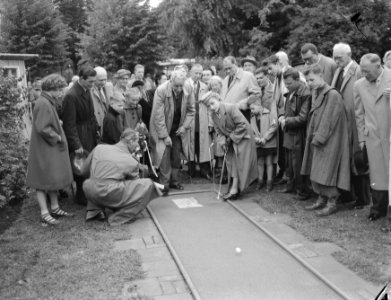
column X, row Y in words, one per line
column 34, row 27
column 122, row 34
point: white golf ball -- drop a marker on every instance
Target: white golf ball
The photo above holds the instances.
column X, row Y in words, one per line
column 238, row 250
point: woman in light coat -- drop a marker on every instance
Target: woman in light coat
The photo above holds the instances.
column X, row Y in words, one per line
column 49, row 167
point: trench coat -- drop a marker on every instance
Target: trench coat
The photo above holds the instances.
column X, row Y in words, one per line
column 101, row 103
column 241, row 87
column 326, row 156
column 328, row 66
column 162, row 117
column 49, row 167
column 115, row 183
column 373, row 125
column 78, row 115
column 233, row 125
column 205, row 120
column 352, row 75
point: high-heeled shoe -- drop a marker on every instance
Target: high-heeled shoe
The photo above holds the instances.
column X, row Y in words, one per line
column 232, row 197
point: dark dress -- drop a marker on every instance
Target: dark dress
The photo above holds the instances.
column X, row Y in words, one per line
column 49, row 167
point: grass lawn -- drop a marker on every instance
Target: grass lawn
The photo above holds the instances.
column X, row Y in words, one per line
column 367, row 250
column 72, row 261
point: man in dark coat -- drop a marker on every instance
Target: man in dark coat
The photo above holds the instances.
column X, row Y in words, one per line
column 113, row 121
column 293, row 123
column 326, row 156
column 146, row 101
column 79, row 121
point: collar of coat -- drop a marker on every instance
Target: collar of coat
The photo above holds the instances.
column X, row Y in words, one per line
column 48, row 97
column 321, row 96
column 302, row 90
column 80, row 90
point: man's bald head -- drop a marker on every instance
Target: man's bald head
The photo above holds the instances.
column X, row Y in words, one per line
column 342, row 54
column 101, row 77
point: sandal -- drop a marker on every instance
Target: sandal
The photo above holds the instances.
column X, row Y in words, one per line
column 47, row 219
column 58, row 212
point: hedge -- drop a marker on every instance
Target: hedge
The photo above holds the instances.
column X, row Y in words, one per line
column 13, row 146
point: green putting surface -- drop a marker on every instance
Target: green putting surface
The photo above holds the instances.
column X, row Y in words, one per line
column 205, row 233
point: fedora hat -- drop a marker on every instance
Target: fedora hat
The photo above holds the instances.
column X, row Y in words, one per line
column 250, row 59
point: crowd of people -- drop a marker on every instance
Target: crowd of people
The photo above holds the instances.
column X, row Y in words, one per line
column 323, row 133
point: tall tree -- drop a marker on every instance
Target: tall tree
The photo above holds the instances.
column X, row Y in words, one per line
column 74, row 15
column 210, row 27
column 34, row 27
column 122, row 33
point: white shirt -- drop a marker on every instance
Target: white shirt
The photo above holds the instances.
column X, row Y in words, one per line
column 345, row 70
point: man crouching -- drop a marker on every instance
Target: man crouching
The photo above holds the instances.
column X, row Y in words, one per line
column 326, row 156
column 115, row 182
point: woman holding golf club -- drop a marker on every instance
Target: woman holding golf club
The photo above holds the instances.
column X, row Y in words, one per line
column 235, row 135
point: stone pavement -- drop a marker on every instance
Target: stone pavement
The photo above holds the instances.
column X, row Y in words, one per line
column 163, row 280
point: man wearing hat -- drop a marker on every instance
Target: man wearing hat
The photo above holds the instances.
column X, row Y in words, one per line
column 122, row 77
column 146, row 101
column 249, row 64
column 113, row 121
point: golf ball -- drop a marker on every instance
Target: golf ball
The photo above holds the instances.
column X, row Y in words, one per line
column 238, row 250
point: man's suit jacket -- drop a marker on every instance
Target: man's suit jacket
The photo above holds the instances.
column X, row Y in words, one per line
column 373, row 124
column 101, row 104
column 346, row 90
column 240, row 88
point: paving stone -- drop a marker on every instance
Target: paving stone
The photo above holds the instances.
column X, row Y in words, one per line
column 148, row 241
column 155, row 254
column 168, row 287
column 186, row 296
column 160, row 268
column 129, row 244
column 180, row 286
column 158, row 240
column 325, row 264
column 149, row 287
column 143, row 227
column 302, row 251
column 326, row 248
column 170, row 278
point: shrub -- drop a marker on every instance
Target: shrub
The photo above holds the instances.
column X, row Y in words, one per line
column 13, row 148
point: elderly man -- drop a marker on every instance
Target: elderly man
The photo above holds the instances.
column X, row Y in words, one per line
column 345, row 76
column 171, row 117
column 139, row 71
column 283, row 60
column 238, row 84
column 311, row 56
column 293, row 123
column 79, row 122
column 199, row 133
column 372, row 106
column 326, row 156
column 100, row 94
column 249, row 64
column 115, row 182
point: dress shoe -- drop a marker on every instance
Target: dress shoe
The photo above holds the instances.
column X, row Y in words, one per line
column 278, row 181
column 165, row 191
column 95, row 215
column 386, row 229
column 176, row 186
column 374, row 217
column 229, row 196
column 303, row 197
column 260, row 184
column 206, row 176
column 320, row 203
column 287, row 191
column 330, row 208
column 62, row 194
column 269, row 185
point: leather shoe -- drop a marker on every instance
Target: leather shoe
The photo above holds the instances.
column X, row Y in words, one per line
column 176, row 186
column 303, row 197
column 287, row 191
column 229, row 196
column 206, row 176
column 374, row 217
column 93, row 215
column 278, row 181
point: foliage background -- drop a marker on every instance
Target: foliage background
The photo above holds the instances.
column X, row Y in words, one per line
column 13, row 149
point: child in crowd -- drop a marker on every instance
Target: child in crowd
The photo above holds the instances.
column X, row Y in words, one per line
column 113, row 121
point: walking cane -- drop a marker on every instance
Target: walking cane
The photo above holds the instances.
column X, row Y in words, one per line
column 211, row 165
column 221, row 177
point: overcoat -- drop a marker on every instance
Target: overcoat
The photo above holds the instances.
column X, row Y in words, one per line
column 296, row 112
column 49, row 167
column 241, row 87
column 162, row 117
column 326, row 154
column 352, row 75
column 205, row 120
column 373, row 125
column 112, row 127
column 101, row 102
column 78, row 115
column 230, row 123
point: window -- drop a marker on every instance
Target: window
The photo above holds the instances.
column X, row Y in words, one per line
column 10, row 71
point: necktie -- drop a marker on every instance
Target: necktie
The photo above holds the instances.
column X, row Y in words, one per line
column 197, row 108
column 338, row 84
column 230, row 80
column 102, row 95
